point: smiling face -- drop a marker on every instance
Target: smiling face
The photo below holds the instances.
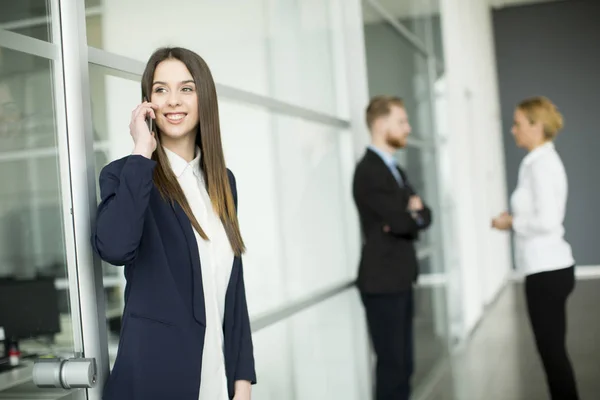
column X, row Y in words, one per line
column 174, row 92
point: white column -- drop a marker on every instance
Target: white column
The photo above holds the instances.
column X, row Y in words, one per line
column 474, row 152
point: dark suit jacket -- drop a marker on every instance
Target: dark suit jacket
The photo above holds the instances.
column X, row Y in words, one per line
column 164, row 320
column 389, row 261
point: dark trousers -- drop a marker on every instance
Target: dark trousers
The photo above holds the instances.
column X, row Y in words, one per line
column 390, row 321
column 547, row 294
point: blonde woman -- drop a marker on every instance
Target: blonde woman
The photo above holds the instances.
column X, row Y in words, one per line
column 542, row 254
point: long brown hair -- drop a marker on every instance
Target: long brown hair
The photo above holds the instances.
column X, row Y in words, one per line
column 208, row 139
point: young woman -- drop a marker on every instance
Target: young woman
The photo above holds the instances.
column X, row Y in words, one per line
column 168, row 214
column 538, row 205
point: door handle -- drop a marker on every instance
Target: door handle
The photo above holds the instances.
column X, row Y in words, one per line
column 72, row 373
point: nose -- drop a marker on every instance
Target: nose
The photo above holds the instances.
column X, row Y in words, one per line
column 173, row 100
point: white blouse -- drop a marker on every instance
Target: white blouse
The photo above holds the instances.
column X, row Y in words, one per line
column 538, row 207
column 216, row 260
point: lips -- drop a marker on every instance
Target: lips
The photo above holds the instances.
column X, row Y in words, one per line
column 175, row 118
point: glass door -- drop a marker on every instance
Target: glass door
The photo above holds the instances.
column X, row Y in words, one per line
column 49, row 296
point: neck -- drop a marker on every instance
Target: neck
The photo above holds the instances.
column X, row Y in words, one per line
column 536, row 145
column 184, row 147
column 383, row 146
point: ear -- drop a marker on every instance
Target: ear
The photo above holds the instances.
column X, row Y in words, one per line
column 381, row 124
column 538, row 126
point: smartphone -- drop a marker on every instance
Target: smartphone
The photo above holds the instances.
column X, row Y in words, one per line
column 150, row 123
column 149, row 120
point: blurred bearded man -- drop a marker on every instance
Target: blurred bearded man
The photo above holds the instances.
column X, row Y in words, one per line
column 391, row 216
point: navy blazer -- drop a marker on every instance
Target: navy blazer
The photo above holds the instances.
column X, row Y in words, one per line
column 164, row 320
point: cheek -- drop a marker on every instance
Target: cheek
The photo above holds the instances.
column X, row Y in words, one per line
column 517, row 133
column 192, row 107
column 193, row 116
column 159, row 101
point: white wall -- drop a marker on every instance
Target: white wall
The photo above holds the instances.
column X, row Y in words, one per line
column 473, row 151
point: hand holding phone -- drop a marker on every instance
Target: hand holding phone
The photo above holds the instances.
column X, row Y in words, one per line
column 141, row 129
column 149, row 119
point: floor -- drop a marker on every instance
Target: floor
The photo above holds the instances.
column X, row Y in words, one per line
column 499, row 362
column 429, row 341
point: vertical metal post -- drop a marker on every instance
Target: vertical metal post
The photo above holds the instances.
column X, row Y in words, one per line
column 87, row 281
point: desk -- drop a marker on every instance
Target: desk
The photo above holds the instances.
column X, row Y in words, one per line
column 16, row 377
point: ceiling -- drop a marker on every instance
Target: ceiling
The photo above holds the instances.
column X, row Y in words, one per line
column 415, row 8
column 19, row 10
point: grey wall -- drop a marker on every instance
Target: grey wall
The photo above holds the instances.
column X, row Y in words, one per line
column 553, row 49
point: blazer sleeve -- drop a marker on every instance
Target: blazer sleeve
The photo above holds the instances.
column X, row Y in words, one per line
column 426, row 217
column 373, row 196
column 245, row 369
column 125, row 194
column 425, row 214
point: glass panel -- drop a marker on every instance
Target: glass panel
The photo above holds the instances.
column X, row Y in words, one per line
column 313, row 205
column 29, row 18
column 395, row 68
column 414, row 15
column 319, row 354
column 278, row 48
column 301, row 53
column 437, row 39
column 27, row 104
column 273, row 358
column 430, row 326
column 248, row 142
column 35, row 315
column 331, row 350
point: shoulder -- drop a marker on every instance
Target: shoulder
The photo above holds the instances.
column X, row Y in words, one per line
column 364, row 163
column 549, row 163
column 115, row 167
column 133, row 162
column 231, row 177
column 369, row 167
column 233, row 186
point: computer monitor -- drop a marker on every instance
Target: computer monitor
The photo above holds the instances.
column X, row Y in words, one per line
column 29, row 308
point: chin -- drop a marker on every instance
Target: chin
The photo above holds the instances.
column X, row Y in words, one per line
column 177, row 134
column 398, row 145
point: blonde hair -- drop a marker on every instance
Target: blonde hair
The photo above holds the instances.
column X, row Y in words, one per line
column 380, row 106
column 541, row 109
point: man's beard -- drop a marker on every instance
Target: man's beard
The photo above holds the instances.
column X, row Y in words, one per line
column 396, row 143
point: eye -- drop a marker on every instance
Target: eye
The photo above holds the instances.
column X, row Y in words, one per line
column 159, row 90
column 188, row 89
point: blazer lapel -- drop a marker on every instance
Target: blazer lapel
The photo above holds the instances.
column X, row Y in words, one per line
column 197, row 286
column 382, row 168
column 407, row 184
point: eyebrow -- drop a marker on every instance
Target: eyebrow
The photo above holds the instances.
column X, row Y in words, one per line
column 182, row 82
